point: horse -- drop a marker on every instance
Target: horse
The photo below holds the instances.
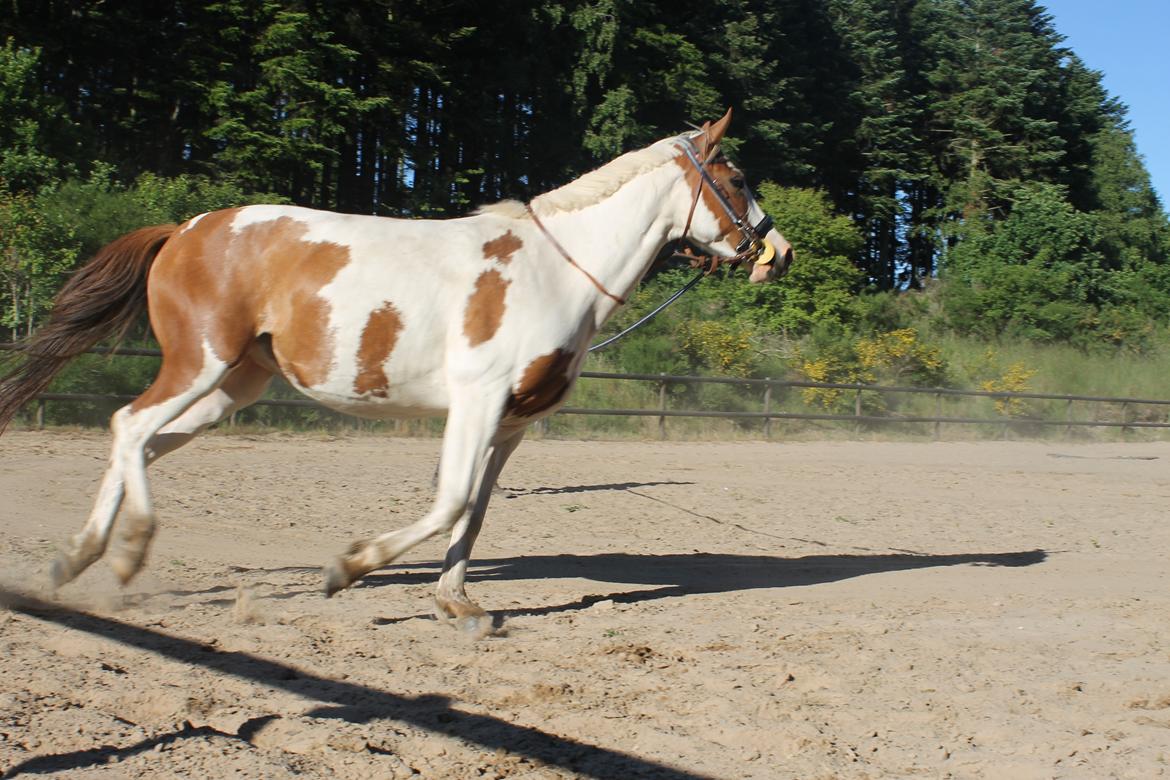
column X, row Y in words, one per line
column 485, row 318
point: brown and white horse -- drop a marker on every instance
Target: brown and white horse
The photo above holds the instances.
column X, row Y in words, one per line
column 486, row 319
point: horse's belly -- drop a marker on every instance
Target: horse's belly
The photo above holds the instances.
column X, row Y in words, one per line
column 422, row 397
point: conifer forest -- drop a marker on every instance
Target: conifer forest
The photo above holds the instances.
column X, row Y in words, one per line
column 953, row 177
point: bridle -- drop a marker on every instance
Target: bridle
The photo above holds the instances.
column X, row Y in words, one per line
column 753, row 245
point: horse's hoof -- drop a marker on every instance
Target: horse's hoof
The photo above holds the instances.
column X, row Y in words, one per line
column 336, row 577
column 131, row 547
column 466, row 616
column 61, row 571
column 127, row 566
column 476, row 626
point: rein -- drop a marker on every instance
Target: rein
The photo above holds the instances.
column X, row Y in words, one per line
column 678, row 294
column 557, row 244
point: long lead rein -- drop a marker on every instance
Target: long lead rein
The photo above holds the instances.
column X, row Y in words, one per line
column 651, row 315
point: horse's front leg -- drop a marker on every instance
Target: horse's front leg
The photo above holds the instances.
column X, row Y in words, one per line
column 472, row 424
column 451, row 601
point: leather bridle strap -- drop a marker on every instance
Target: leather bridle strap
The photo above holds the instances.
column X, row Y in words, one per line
column 557, row 245
column 752, row 235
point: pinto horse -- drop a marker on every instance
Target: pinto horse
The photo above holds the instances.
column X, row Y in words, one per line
column 485, row 318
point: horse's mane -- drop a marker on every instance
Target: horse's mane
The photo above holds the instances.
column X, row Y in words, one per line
column 594, row 186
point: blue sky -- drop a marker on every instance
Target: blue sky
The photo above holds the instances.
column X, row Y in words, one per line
column 1129, row 42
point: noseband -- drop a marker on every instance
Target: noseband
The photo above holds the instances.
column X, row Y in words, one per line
column 752, row 245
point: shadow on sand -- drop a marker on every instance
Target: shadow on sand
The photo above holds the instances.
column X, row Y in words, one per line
column 667, row 576
column 339, row 699
column 681, row 575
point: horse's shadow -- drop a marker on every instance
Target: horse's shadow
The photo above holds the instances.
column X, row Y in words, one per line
column 686, row 574
column 517, row 492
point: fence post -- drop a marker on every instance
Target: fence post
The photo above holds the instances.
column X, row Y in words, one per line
column 1124, row 418
column 857, row 411
column 40, row 414
column 662, row 406
column 767, row 407
column 1068, row 418
column 937, row 416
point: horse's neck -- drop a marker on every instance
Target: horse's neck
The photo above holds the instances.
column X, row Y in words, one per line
column 617, row 238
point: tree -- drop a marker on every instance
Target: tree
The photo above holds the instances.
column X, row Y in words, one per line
column 24, row 165
column 883, row 149
column 995, row 83
column 1034, row 275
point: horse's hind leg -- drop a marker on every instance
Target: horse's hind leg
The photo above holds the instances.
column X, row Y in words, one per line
column 178, row 386
column 88, row 545
column 244, row 385
column 451, row 601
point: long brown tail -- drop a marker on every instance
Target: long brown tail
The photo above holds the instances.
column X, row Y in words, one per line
column 101, row 300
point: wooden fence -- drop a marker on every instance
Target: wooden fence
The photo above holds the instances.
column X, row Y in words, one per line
column 1131, row 413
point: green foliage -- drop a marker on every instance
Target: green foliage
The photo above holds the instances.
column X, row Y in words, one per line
column 34, row 255
column 26, row 112
column 1041, row 274
column 100, row 208
column 283, row 128
column 45, row 236
column 942, row 165
column 822, row 282
column 1133, row 230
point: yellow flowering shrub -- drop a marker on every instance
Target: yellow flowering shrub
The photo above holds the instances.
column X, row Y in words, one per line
column 725, row 347
column 823, row 369
column 897, row 356
column 1014, row 379
column 900, row 354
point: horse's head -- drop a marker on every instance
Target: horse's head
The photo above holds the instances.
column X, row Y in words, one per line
column 723, row 217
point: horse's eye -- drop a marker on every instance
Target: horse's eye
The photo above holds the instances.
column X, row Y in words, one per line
column 737, row 182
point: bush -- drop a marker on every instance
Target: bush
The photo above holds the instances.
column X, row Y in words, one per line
column 897, row 357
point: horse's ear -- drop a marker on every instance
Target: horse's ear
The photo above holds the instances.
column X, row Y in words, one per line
column 719, row 128
column 713, row 133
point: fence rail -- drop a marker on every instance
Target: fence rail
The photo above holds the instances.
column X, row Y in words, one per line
column 766, row 414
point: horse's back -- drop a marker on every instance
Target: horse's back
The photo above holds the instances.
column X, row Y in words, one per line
column 357, row 309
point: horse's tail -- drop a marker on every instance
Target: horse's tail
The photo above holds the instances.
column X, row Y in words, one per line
column 102, row 299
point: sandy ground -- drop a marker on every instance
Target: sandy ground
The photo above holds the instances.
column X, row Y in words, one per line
column 670, row 610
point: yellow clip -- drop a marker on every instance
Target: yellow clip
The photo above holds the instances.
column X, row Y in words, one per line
column 767, row 252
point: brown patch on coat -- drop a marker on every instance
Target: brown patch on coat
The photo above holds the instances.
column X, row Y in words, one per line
column 378, row 339
column 721, row 172
column 485, row 308
column 502, row 248
column 293, row 272
column 229, row 288
column 187, row 304
column 544, row 384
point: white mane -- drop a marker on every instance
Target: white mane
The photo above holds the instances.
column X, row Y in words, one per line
column 594, row 186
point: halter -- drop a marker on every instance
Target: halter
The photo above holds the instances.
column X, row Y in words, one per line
column 753, row 245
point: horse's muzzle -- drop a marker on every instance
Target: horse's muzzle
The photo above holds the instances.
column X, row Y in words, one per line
column 765, row 270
